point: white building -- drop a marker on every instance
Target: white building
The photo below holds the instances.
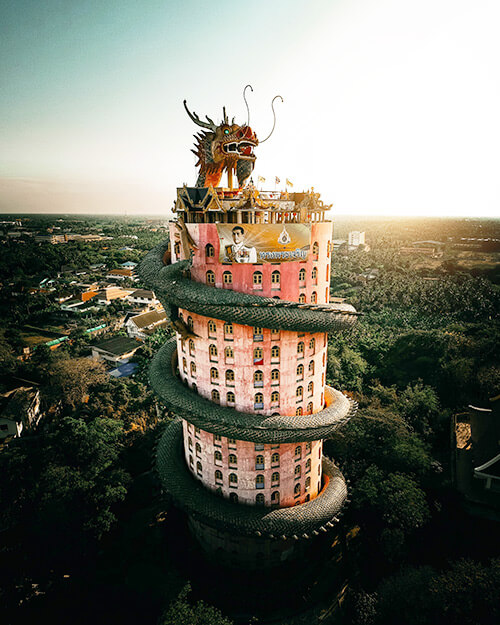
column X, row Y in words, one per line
column 356, row 238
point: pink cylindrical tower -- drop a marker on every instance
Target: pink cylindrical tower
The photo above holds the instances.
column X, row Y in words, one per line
column 244, row 279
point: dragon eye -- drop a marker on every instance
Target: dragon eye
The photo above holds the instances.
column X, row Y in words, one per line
column 226, row 131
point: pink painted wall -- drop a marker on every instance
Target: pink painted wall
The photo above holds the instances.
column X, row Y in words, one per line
column 242, row 275
column 200, row 451
column 243, row 344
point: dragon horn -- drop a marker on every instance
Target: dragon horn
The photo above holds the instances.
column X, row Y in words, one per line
column 244, row 97
column 210, row 124
column 274, row 115
column 225, row 120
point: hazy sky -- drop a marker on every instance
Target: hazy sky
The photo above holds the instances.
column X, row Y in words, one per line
column 390, row 106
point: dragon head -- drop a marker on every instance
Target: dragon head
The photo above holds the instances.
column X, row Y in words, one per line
column 223, row 147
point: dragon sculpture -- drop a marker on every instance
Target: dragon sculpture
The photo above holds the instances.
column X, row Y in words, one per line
column 227, row 146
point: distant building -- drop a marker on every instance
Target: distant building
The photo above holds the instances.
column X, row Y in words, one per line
column 120, row 274
column 117, row 350
column 477, row 457
column 19, row 410
column 107, row 295
column 356, row 238
column 142, row 326
column 143, row 297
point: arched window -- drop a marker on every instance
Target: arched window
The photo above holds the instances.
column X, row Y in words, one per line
column 275, row 351
column 232, row 460
column 275, row 498
column 193, row 369
column 184, row 365
column 258, row 333
column 191, row 347
column 214, row 375
column 259, row 481
column 215, row 396
column 302, row 298
column 310, row 408
column 199, row 468
column 217, row 439
column 302, row 275
column 308, row 465
column 300, row 372
column 314, row 297
column 298, row 471
column 298, row 411
column 228, row 330
column 191, row 461
column 229, row 376
column 212, row 328
column 217, row 457
column 258, row 401
column 275, row 334
column 198, row 449
column 190, row 443
column 209, row 250
column 275, row 460
column 311, row 367
column 218, row 477
column 275, row 479
column 308, row 448
column 233, row 479
column 298, row 452
column 275, row 397
column 212, row 350
column 296, row 490
column 314, row 274
column 233, row 497
column 257, row 279
column 260, row 499
column 227, row 277
column 310, row 388
column 258, row 378
column 228, row 354
column 312, row 344
column 300, row 348
column 275, row 376
column 299, row 393
column 315, row 248
column 194, row 387
column 210, row 278
column 230, row 397
column 259, row 462
column 258, row 356
column 275, row 280
column 328, row 248
column 190, row 323
column 177, row 248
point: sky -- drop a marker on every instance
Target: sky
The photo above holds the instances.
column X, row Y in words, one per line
column 390, row 106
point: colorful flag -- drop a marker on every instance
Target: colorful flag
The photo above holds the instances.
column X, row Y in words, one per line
column 289, row 184
column 277, row 180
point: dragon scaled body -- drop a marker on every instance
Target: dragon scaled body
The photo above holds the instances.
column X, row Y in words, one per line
column 226, row 147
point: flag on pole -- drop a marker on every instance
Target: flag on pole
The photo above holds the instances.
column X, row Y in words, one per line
column 261, row 179
column 289, row 183
column 277, row 180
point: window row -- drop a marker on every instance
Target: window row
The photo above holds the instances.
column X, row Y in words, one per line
column 259, row 459
column 258, row 352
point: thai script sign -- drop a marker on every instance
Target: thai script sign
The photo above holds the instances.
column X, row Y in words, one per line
column 263, row 243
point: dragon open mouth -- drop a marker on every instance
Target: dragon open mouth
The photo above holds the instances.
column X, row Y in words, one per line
column 244, row 149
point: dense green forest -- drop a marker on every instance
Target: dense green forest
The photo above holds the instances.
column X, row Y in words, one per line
column 85, row 532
